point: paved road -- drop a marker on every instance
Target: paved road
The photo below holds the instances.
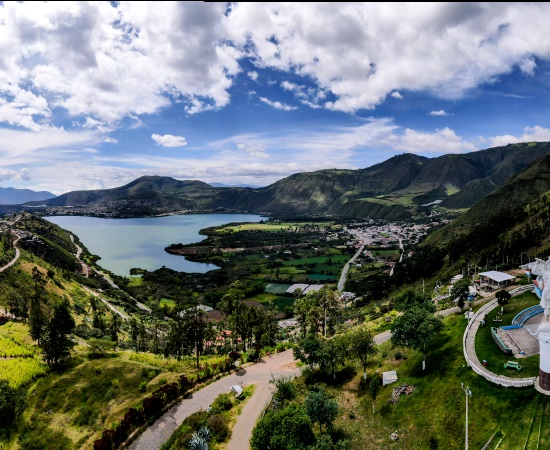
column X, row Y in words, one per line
column 15, row 258
column 346, row 268
column 281, row 364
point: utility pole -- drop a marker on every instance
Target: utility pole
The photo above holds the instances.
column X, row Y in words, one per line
column 468, row 393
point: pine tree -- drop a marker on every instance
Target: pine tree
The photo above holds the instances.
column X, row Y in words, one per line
column 56, row 343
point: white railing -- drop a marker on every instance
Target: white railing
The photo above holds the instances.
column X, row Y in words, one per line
column 476, row 367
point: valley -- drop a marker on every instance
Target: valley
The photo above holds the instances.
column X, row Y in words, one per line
column 313, row 288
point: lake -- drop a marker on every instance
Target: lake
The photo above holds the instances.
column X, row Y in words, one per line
column 124, row 244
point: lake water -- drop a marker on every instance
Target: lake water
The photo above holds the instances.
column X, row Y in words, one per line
column 124, row 244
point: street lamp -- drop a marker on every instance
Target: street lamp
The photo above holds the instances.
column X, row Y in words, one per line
column 468, row 393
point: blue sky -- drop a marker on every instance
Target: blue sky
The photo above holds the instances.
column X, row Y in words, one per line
column 95, row 94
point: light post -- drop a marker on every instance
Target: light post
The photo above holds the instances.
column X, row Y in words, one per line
column 468, row 393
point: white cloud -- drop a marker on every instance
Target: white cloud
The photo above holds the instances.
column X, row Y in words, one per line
column 106, row 63
column 288, row 86
column 169, row 141
column 278, row 105
column 440, row 113
column 530, row 134
column 23, row 174
column 253, row 75
column 255, row 150
column 397, row 95
column 49, row 145
column 441, row 142
column 110, row 140
column 363, row 52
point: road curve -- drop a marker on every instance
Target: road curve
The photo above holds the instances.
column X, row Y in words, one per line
column 15, row 258
column 259, row 374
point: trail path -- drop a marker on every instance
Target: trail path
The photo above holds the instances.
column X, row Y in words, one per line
column 259, row 374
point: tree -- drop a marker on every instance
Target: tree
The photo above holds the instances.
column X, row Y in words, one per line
column 114, row 327
column 18, row 304
column 56, row 343
column 101, row 345
column 37, row 318
column 503, row 297
column 332, row 355
column 289, row 429
column 321, row 409
column 10, row 404
column 460, row 291
column 308, row 351
column 415, row 328
column 361, row 345
column 411, row 298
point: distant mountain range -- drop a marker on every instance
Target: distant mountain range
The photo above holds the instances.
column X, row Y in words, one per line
column 13, row 196
column 394, row 189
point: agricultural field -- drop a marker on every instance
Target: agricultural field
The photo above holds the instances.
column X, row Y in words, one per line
column 20, row 358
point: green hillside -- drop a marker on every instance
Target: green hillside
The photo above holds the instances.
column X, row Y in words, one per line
column 394, row 189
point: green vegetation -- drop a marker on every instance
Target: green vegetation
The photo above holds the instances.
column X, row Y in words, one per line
column 487, row 350
column 219, row 420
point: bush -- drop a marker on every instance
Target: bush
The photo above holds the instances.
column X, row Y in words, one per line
column 218, row 425
column 398, row 355
column 143, row 386
column 197, row 420
column 221, row 403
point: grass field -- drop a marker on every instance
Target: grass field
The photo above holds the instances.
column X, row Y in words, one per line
column 487, row 350
column 433, row 415
column 259, row 226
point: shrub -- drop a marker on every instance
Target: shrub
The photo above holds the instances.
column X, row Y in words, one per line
column 143, row 386
column 398, row 355
column 218, row 425
column 221, row 403
column 197, row 420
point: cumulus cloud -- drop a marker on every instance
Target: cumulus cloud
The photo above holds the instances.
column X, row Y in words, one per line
column 107, row 61
column 277, row 104
column 439, row 142
column 397, row 95
column 23, row 174
column 169, row 141
column 362, row 52
column 530, row 134
column 440, row 113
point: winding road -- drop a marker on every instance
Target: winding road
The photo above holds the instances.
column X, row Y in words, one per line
column 111, row 283
column 17, row 251
column 259, row 374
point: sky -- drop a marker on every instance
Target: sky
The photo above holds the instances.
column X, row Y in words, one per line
column 96, row 94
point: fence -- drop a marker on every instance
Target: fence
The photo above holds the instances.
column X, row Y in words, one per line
column 469, row 335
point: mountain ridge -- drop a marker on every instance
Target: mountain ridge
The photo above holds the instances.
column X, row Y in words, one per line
column 15, row 196
column 393, row 189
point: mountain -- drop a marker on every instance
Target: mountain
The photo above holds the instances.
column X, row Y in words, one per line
column 509, row 224
column 13, row 196
column 394, row 189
